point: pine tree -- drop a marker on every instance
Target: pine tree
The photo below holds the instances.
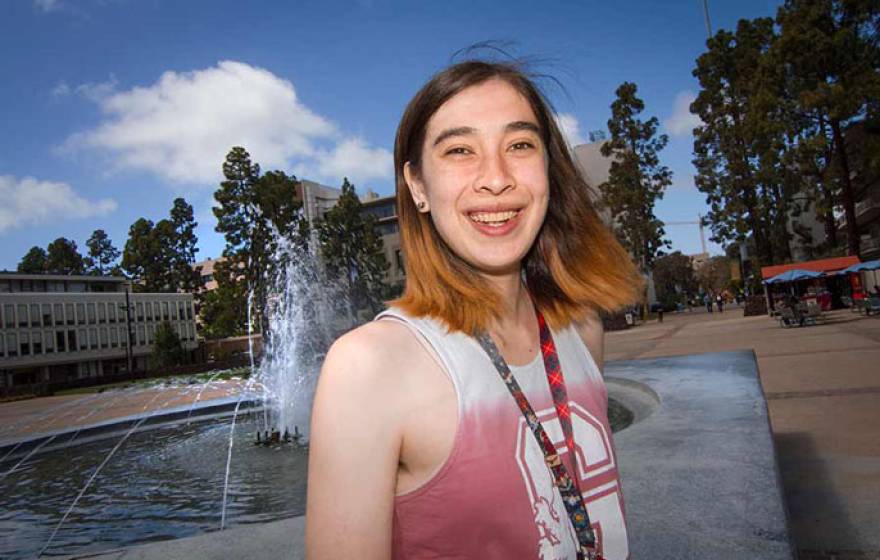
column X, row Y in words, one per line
column 637, row 180
column 830, row 51
column 63, row 257
column 102, row 253
column 184, row 246
column 738, row 147
column 352, row 252
column 34, row 262
column 253, row 212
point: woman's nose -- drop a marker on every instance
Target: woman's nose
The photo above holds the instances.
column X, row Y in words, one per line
column 495, row 176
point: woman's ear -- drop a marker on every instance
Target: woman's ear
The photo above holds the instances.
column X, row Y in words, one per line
column 416, row 188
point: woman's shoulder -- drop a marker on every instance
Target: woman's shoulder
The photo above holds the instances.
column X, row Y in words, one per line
column 375, row 358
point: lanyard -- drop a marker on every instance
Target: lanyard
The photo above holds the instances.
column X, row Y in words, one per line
column 569, row 488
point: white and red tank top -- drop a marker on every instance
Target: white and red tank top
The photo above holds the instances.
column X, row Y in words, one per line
column 494, row 496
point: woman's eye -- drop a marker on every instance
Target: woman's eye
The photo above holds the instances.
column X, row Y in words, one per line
column 522, row 146
column 457, row 151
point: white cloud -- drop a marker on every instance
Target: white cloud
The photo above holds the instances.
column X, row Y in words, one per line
column 354, row 159
column 182, row 127
column 47, row 5
column 93, row 91
column 571, row 129
column 682, row 121
column 29, row 201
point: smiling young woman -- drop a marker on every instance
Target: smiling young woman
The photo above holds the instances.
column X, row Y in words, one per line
column 435, row 431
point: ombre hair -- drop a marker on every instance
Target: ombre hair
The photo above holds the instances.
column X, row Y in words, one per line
column 575, row 266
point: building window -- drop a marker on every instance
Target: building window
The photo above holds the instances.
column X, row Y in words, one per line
column 111, row 312
column 123, row 338
column 12, row 345
column 114, row 338
column 189, row 311
column 47, row 315
column 35, row 315
column 102, row 313
column 151, row 331
column 80, row 314
column 104, row 339
column 93, row 318
column 48, row 342
column 149, row 311
column 58, row 315
column 2, row 346
column 83, row 339
column 59, row 341
column 174, row 314
column 9, row 316
column 140, row 312
column 165, row 311
column 71, row 340
column 68, row 314
column 37, row 341
column 93, row 339
column 22, row 315
column 25, row 345
column 142, row 336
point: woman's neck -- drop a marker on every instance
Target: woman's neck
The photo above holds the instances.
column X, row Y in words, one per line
column 516, row 305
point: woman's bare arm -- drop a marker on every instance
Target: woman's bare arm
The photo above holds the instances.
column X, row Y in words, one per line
column 354, row 448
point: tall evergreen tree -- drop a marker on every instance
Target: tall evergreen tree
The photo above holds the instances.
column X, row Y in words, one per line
column 34, row 262
column 352, row 252
column 102, row 254
column 145, row 257
column 184, row 246
column 63, row 257
column 831, row 53
column 252, row 212
column 637, row 180
column 737, row 146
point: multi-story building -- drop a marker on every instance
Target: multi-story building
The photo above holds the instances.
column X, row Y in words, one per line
column 384, row 209
column 56, row 328
column 316, row 199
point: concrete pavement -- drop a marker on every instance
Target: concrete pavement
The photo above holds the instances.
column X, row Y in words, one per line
column 822, row 385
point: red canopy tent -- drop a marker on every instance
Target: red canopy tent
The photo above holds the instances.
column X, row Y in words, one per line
column 822, row 265
column 827, row 266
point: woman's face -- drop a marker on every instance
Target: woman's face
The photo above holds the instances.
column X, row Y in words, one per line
column 484, row 176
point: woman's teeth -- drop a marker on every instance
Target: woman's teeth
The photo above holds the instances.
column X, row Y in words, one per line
column 493, row 218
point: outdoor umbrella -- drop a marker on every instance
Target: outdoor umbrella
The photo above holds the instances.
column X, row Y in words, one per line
column 859, row 267
column 792, row 276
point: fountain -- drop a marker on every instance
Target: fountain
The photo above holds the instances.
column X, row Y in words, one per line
column 189, row 461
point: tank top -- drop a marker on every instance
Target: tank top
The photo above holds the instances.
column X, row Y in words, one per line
column 494, row 497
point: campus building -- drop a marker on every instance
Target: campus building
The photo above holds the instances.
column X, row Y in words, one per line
column 56, row 328
column 384, row 209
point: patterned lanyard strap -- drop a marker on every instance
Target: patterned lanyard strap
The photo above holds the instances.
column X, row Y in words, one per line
column 569, row 488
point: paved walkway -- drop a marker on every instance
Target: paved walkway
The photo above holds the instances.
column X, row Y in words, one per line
column 822, row 385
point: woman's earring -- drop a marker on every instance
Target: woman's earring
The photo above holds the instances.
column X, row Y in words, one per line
column 421, row 205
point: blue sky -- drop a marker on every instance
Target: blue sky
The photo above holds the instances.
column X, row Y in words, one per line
column 112, row 108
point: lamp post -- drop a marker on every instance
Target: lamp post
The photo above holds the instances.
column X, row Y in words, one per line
column 129, row 355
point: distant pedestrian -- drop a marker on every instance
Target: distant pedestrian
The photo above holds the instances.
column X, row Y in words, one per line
column 719, row 301
column 707, row 300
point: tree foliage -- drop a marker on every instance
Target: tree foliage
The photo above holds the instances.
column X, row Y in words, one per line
column 714, row 275
column 62, row 257
column 223, row 310
column 831, row 53
column 778, row 100
column 168, row 349
column 636, row 180
column 674, row 277
column 253, row 213
column 34, row 262
column 159, row 257
column 352, row 252
column 102, row 254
